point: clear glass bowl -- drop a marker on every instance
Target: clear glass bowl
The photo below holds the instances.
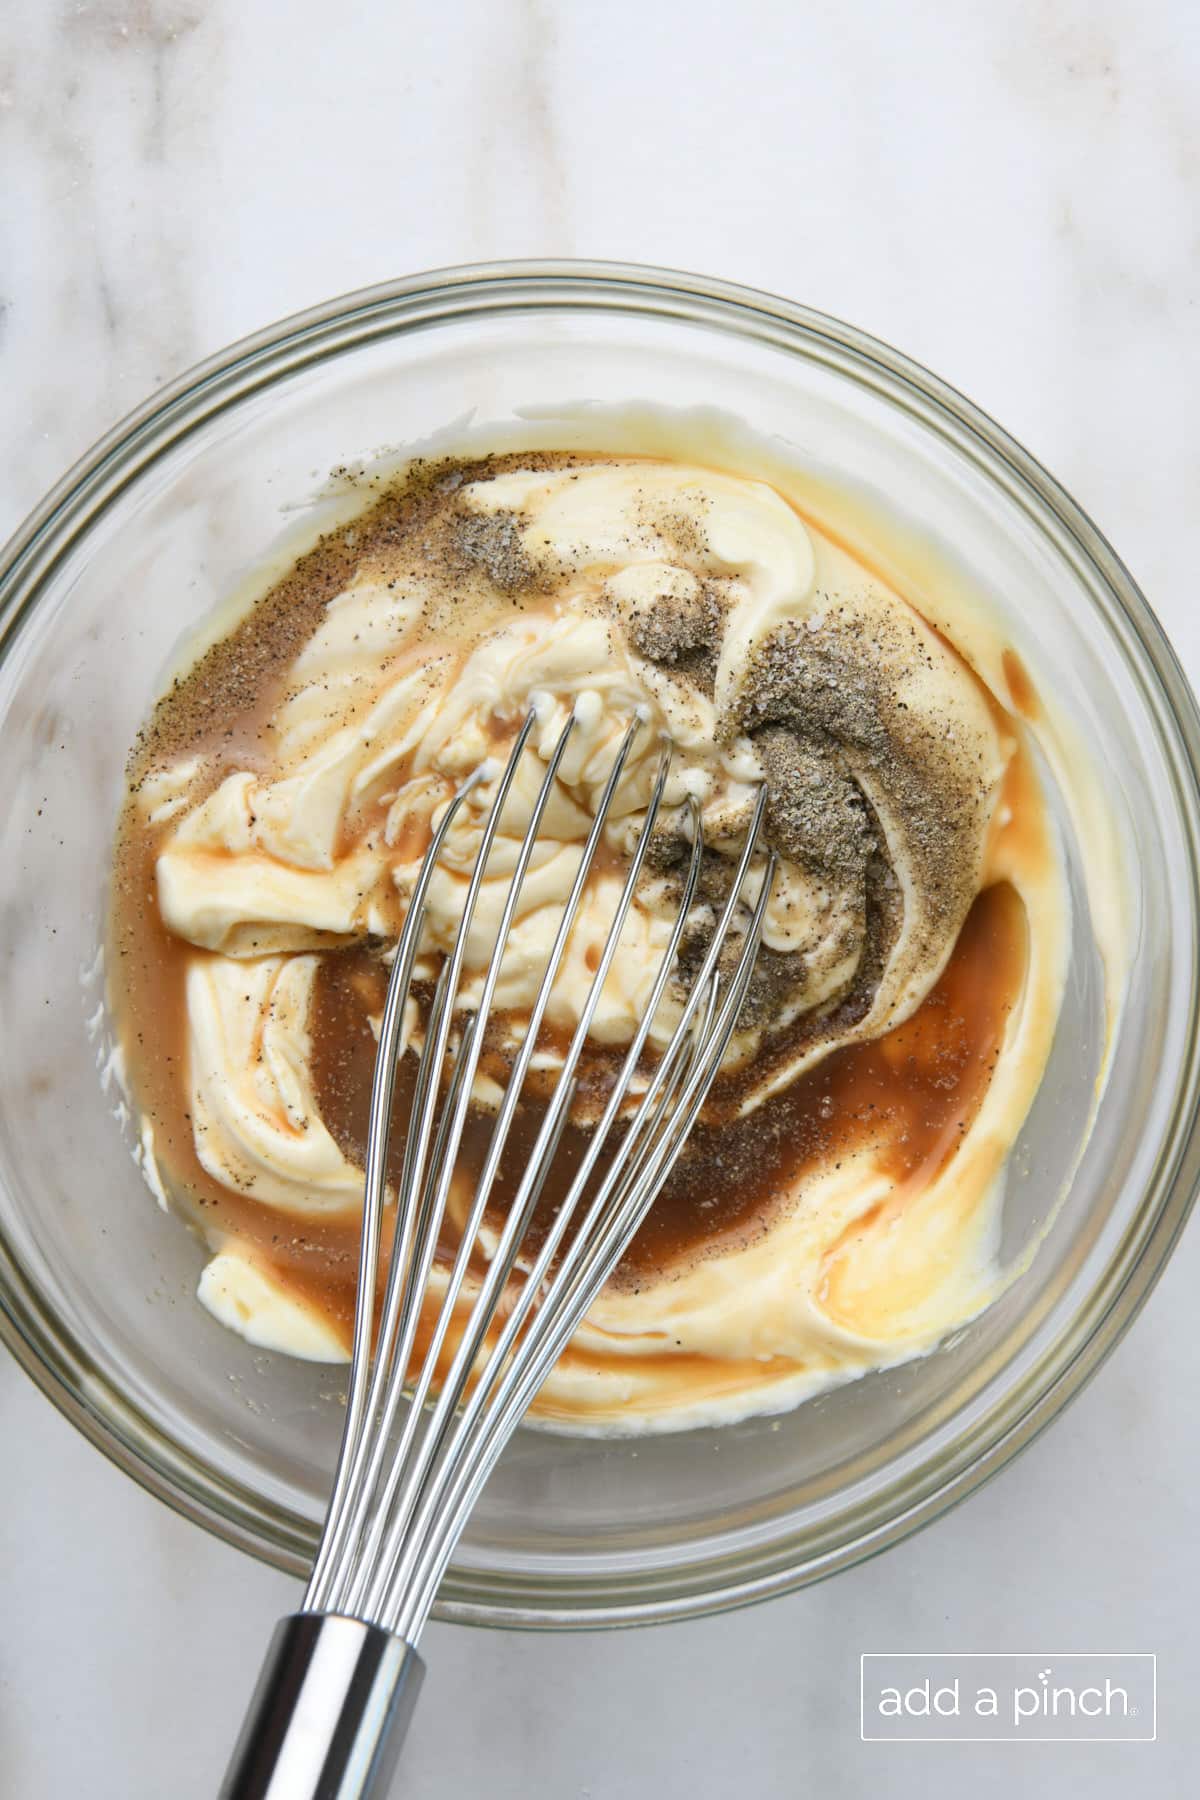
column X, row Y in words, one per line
column 96, row 1286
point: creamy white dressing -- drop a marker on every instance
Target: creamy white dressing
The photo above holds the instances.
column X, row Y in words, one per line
column 385, row 713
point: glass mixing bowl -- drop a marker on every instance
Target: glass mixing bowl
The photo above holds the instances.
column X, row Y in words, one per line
column 97, row 1286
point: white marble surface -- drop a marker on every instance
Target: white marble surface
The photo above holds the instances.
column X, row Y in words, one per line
column 1012, row 193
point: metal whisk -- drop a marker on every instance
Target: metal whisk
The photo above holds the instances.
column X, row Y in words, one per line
column 342, row 1674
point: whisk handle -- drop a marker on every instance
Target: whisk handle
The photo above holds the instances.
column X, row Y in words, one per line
column 329, row 1713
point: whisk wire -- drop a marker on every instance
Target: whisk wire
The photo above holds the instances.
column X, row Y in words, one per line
column 382, row 1092
column 521, row 1209
column 398, row 1492
column 610, row 1222
column 643, row 1147
column 413, row 1252
column 442, row 1171
column 363, row 1395
column 506, row 1252
column 557, row 1112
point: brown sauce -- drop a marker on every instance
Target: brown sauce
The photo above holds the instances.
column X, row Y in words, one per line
column 1023, row 694
column 909, row 1096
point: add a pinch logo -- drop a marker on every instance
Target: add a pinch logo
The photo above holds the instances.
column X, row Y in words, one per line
column 1013, row 1697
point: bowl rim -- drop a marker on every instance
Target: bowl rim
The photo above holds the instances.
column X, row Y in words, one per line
column 76, row 1385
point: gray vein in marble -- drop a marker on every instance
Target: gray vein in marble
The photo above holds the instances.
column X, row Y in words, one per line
column 515, row 149
column 535, row 99
column 103, row 287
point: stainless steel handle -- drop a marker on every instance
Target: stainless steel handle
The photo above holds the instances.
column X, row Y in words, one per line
column 329, row 1713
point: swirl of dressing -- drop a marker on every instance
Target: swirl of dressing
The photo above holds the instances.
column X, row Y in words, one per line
column 764, row 651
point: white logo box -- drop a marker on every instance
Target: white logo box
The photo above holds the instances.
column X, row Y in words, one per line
column 1008, row 1696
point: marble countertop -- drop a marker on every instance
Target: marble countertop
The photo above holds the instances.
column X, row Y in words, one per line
column 1011, row 193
